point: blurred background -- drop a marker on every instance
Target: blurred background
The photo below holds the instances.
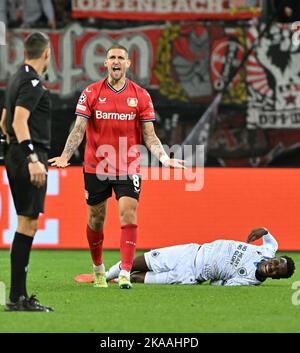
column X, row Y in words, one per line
column 184, row 53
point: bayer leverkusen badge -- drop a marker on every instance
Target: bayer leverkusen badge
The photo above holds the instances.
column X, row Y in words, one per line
column 132, row 102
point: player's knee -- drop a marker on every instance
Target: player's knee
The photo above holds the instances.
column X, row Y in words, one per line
column 128, row 216
column 33, row 226
column 96, row 222
column 96, row 216
column 138, row 277
column 27, row 226
column 139, row 264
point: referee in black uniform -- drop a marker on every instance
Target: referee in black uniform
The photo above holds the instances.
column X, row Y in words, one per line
column 26, row 123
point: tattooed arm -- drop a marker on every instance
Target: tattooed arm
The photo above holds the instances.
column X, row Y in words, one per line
column 74, row 140
column 154, row 145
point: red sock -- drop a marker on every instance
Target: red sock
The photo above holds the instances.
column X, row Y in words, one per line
column 95, row 239
column 128, row 244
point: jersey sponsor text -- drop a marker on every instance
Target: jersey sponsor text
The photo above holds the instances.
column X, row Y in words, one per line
column 114, row 116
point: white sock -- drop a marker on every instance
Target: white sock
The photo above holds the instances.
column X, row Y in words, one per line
column 113, row 272
column 124, row 273
column 99, row 268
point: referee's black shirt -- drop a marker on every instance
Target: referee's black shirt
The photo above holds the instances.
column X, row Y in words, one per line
column 25, row 89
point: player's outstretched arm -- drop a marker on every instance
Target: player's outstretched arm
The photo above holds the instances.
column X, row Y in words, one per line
column 154, row 145
column 270, row 245
column 74, row 140
column 257, row 233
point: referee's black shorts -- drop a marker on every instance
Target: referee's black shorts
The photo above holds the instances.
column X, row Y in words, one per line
column 99, row 188
column 28, row 199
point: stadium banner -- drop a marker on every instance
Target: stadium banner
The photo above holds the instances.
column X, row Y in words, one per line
column 273, row 81
column 160, row 10
column 231, row 203
column 184, row 67
column 181, row 63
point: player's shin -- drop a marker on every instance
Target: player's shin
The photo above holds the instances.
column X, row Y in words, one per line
column 95, row 240
column 20, row 252
column 128, row 245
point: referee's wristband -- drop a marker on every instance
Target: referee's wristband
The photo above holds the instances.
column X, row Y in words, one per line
column 27, row 147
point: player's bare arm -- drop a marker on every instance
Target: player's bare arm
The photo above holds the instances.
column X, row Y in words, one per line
column 37, row 169
column 74, row 140
column 3, row 126
column 256, row 233
column 154, row 145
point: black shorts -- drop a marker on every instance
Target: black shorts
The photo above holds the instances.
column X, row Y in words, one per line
column 28, row 199
column 97, row 190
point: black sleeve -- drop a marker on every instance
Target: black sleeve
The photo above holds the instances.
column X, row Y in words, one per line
column 2, row 102
column 28, row 95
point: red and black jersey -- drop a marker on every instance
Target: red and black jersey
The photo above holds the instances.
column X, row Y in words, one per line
column 114, row 126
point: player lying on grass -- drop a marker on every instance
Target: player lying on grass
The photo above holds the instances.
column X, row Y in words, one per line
column 223, row 262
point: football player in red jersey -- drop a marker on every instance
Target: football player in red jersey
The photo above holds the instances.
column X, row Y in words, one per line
column 115, row 113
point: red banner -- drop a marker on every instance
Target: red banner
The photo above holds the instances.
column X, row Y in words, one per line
column 159, row 10
column 78, row 54
column 180, row 62
column 232, row 202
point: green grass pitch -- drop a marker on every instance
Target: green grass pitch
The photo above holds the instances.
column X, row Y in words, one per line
column 145, row 308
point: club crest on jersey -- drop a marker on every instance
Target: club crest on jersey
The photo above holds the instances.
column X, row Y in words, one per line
column 242, row 272
column 132, row 102
column 35, row 82
column 82, row 98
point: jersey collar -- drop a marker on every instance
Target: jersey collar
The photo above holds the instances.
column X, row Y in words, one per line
column 29, row 68
column 115, row 90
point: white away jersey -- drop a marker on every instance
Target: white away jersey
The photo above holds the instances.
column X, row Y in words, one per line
column 233, row 263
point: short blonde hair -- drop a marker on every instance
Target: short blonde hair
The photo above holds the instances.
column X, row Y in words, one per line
column 116, row 46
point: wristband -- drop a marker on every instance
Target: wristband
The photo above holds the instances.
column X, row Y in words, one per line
column 27, row 147
column 32, row 158
column 164, row 158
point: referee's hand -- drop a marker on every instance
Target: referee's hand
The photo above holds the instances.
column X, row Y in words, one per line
column 37, row 173
column 59, row 162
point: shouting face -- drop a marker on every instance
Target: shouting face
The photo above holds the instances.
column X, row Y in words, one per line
column 117, row 63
